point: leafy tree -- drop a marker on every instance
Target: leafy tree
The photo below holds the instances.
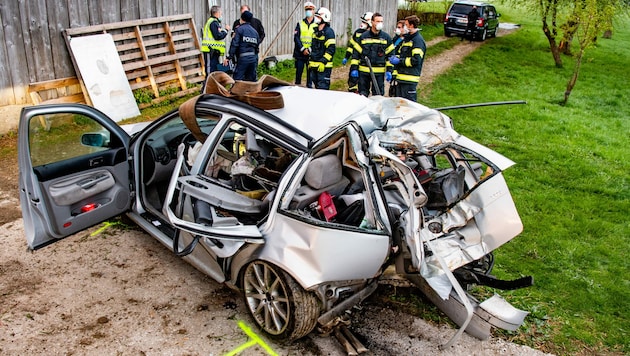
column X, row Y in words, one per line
column 549, row 15
column 564, row 21
column 591, row 20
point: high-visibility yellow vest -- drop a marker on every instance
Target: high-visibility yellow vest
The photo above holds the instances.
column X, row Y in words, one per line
column 208, row 40
column 306, row 33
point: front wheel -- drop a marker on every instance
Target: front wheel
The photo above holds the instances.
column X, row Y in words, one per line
column 278, row 304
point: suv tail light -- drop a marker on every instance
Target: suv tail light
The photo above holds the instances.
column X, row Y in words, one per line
column 446, row 18
column 480, row 22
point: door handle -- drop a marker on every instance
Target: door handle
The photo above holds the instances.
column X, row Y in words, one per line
column 92, row 181
column 98, row 161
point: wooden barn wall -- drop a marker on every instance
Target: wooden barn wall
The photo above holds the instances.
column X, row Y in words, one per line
column 32, row 48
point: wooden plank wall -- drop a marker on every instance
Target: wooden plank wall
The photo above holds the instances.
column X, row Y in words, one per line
column 32, row 48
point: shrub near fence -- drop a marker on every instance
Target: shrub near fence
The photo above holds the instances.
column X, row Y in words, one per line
column 426, row 18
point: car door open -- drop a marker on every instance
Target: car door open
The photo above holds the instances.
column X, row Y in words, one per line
column 74, row 170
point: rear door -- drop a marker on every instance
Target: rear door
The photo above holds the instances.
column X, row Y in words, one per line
column 74, row 170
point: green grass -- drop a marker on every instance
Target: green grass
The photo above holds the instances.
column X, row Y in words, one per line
column 570, row 183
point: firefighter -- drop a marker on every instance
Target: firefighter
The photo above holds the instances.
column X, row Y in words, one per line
column 302, row 38
column 376, row 46
column 352, row 44
column 212, row 44
column 322, row 50
column 408, row 60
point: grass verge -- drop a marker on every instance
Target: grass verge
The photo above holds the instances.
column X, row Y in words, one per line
column 570, row 183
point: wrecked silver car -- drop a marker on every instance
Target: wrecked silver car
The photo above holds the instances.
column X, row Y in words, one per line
column 302, row 199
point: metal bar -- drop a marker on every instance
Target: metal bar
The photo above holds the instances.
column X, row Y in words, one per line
column 374, row 82
column 480, row 104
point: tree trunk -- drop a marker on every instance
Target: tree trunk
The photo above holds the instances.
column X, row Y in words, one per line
column 555, row 50
column 565, row 46
column 574, row 77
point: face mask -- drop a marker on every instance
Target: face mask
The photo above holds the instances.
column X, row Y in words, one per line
column 318, row 20
column 309, row 13
column 397, row 32
column 379, row 26
column 220, row 18
column 363, row 26
column 405, row 30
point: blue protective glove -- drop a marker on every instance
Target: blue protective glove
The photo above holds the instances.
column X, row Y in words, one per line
column 388, row 76
column 344, row 61
column 394, row 60
column 355, row 74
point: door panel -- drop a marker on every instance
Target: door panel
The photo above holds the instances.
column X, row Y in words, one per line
column 66, row 185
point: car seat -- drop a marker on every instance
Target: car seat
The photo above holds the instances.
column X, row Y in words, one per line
column 324, row 174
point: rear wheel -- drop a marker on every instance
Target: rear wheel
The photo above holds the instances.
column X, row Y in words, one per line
column 278, row 304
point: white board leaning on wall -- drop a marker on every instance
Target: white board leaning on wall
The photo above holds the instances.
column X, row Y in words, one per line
column 104, row 76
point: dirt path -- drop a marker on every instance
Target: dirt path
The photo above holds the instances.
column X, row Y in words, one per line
column 113, row 291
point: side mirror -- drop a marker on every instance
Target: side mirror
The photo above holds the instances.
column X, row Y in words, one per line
column 95, row 139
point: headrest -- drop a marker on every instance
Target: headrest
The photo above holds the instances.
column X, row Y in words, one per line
column 323, row 171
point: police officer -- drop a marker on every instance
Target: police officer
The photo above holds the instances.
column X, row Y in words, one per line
column 244, row 49
column 256, row 24
column 377, row 46
column 409, row 59
column 302, row 38
column 322, row 50
column 352, row 44
column 212, row 44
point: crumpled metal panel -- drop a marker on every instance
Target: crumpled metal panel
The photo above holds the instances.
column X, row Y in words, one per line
column 408, row 124
column 475, row 226
column 504, row 314
column 313, row 254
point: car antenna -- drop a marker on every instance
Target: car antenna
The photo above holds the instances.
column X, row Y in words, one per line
column 464, row 106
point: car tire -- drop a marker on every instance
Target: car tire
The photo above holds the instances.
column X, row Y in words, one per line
column 278, row 304
column 484, row 35
column 447, row 33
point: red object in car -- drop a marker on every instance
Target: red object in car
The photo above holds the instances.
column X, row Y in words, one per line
column 88, row 207
column 327, row 205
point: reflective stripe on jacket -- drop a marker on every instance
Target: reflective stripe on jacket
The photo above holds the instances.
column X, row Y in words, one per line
column 411, row 54
column 208, row 41
column 306, row 33
column 323, row 47
column 377, row 47
column 354, row 42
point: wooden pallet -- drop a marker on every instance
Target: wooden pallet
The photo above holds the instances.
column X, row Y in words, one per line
column 56, row 91
column 160, row 55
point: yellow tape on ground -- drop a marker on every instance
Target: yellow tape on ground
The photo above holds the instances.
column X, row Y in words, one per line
column 255, row 340
column 106, row 224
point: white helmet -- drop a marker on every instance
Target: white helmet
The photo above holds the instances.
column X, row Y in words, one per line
column 309, row 4
column 324, row 13
column 367, row 17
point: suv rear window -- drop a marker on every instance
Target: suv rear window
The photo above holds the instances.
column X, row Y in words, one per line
column 464, row 9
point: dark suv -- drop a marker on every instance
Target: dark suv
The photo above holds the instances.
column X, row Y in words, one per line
column 456, row 19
